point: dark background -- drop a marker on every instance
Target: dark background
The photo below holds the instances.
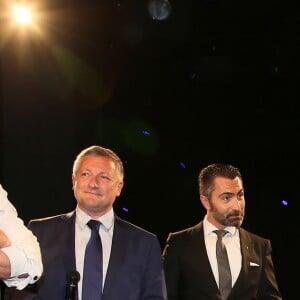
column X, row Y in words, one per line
column 215, row 81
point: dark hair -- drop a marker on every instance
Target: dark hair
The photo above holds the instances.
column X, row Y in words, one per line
column 209, row 173
column 99, row 151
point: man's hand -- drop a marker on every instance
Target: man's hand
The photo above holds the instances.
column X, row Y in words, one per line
column 4, row 241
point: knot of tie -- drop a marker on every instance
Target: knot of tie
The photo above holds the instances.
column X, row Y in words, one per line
column 220, row 232
column 93, row 224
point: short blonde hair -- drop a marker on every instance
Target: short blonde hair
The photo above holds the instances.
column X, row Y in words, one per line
column 99, row 151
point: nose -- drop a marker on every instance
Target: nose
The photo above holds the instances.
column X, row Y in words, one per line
column 93, row 182
column 237, row 204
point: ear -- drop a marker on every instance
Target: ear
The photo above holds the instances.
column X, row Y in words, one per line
column 120, row 187
column 73, row 181
column 205, row 202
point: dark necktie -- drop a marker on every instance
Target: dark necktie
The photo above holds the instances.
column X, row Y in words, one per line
column 92, row 270
column 223, row 265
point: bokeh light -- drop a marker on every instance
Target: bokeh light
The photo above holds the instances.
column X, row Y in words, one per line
column 22, row 14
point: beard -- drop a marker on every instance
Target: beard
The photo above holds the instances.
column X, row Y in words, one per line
column 233, row 218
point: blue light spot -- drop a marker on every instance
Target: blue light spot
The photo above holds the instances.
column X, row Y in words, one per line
column 284, row 202
column 125, row 209
column 182, row 164
column 145, row 132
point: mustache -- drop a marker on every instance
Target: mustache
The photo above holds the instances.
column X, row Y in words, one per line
column 236, row 213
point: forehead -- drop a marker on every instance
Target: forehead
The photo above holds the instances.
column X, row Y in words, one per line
column 222, row 184
column 97, row 162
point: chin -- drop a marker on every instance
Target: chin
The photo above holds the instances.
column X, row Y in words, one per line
column 237, row 224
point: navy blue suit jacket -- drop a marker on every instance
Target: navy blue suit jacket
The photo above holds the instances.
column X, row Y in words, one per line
column 134, row 272
column 189, row 275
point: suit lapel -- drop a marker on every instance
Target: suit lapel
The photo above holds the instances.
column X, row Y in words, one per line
column 246, row 251
column 197, row 253
column 69, row 233
column 117, row 255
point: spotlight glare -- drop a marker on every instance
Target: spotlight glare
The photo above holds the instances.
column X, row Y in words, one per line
column 22, row 15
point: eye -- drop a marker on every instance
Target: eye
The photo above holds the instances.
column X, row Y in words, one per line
column 226, row 197
column 104, row 177
column 240, row 195
column 85, row 174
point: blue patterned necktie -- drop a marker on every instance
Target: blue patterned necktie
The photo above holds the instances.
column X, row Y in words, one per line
column 223, row 265
column 93, row 265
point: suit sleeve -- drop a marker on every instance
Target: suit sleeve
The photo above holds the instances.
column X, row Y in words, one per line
column 171, row 267
column 154, row 284
column 269, row 287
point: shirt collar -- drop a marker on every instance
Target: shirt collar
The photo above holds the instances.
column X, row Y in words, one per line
column 209, row 228
column 106, row 220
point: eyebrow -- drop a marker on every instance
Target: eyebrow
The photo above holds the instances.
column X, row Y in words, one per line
column 230, row 193
column 226, row 193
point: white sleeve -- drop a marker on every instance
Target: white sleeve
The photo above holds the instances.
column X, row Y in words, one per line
column 24, row 253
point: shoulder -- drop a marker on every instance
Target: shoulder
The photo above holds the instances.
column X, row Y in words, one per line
column 182, row 241
column 190, row 231
column 51, row 220
column 132, row 229
column 137, row 239
column 253, row 238
column 182, row 236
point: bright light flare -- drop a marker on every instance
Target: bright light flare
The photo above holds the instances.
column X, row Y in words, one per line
column 22, row 15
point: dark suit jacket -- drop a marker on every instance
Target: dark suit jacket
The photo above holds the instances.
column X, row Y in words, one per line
column 135, row 270
column 189, row 275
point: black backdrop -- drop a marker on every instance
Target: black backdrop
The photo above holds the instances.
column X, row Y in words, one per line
column 215, row 81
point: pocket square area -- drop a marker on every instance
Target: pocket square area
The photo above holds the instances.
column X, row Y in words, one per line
column 254, row 264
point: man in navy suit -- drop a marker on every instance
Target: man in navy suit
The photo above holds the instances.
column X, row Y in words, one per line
column 132, row 264
column 190, row 259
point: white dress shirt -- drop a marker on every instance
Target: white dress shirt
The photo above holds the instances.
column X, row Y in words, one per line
column 232, row 243
column 24, row 252
column 82, row 236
